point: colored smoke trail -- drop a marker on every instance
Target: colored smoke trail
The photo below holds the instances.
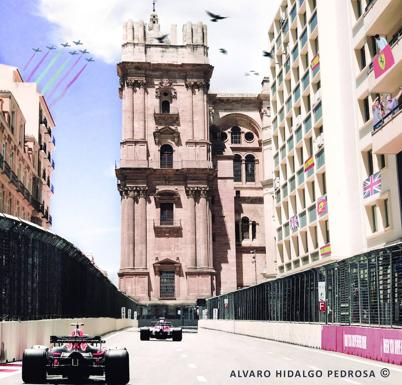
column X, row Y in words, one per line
column 64, row 77
column 72, row 81
column 48, row 67
column 45, row 55
column 55, row 76
column 29, row 61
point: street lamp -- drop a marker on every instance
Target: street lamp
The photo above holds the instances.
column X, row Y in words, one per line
column 254, row 260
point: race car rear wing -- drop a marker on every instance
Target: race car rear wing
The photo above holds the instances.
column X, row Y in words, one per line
column 77, row 339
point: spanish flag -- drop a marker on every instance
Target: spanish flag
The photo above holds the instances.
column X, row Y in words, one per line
column 325, row 250
column 383, row 61
column 309, row 164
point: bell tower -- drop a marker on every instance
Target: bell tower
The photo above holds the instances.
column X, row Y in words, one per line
column 165, row 174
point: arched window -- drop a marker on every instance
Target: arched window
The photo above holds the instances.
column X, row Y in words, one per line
column 165, row 107
column 237, row 168
column 166, row 156
column 245, row 228
column 250, row 168
column 235, row 133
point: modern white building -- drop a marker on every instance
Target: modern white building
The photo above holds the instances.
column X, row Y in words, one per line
column 336, row 184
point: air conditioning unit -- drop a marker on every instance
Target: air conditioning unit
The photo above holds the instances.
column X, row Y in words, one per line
column 299, row 120
column 320, row 141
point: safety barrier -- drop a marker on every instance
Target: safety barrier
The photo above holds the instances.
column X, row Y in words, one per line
column 44, row 276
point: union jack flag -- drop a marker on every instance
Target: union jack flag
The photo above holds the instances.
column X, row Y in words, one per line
column 294, row 222
column 372, row 185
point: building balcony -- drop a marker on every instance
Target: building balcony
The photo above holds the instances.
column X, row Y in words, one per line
column 305, row 82
column 292, row 184
column 287, row 68
column 170, row 118
column 277, row 197
column 286, row 229
column 167, row 228
column 290, row 143
column 284, row 191
column 295, row 53
column 276, row 160
column 299, row 135
column 273, row 89
column 387, row 136
column 312, row 213
column 302, row 219
column 303, row 40
column 283, row 152
column 315, row 68
column 307, row 124
column 289, row 105
column 281, row 115
column 390, row 78
column 279, row 234
column 293, row 13
column 313, row 25
column 302, row 5
column 296, row 94
column 317, row 111
column 380, row 15
column 320, row 160
column 300, row 176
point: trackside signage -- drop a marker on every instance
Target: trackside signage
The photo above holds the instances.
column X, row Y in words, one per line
column 382, row 344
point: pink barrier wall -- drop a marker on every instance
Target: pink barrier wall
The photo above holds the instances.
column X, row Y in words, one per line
column 375, row 343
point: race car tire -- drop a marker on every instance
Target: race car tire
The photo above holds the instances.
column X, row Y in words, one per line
column 144, row 335
column 117, row 367
column 177, row 335
column 34, row 366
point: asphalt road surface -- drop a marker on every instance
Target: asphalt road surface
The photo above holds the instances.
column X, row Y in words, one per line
column 217, row 358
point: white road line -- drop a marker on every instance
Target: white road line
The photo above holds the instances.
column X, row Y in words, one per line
column 201, row 379
column 192, row 366
column 351, row 381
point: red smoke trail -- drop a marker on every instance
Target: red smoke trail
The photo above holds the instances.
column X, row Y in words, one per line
column 29, row 61
column 63, row 78
column 37, row 66
column 72, row 81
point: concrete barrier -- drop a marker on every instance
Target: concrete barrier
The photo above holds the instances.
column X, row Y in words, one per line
column 16, row 336
column 294, row 333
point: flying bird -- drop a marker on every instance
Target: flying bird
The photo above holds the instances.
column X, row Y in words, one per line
column 89, row 60
column 267, row 54
column 252, row 71
column 246, row 74
column 78, row 42
column 215, row 18
column 223, row 50
column 50, row 47
column 65, row 45
column 84, row 51
column 37, row 49
column 256, row 74
column 73, row 53
column 161, row 39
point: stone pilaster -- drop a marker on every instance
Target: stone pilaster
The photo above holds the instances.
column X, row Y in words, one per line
column 139, row 86
column 198, row 88
column 192, row 258
column 128, row 113
column 127, row 228
column 202, row 229
column 141, row 227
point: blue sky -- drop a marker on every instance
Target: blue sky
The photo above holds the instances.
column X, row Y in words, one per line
column 86, row 204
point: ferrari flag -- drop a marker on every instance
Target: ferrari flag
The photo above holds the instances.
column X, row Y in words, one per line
column 383, row 61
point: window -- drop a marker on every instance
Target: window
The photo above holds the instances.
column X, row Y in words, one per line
column 166, row 156
column 366, row 110
column 245, row 228
column 362, row 58
column 249, row 136
column 370, row 168
column 386, row 215
column 327, row 239
column 250, row 168
column 235, row 134
column 381, row 161
column 224, row 136
column 166, row 214
column 373, row 219
column 167, row 284
column 165, row 107
column 253, row 230
column 237, row 161
column 237, row 231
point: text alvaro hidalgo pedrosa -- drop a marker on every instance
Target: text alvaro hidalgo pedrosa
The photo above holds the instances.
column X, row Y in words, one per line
column 288, row 373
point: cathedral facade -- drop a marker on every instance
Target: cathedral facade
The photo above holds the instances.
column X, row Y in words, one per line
column 190, row 173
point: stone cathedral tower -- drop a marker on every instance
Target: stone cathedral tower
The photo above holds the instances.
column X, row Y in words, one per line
column 165, row 175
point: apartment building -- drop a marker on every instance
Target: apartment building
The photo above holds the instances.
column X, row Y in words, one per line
column 328, row 202
column 27, row 144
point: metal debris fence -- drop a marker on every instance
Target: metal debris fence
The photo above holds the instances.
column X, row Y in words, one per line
column 364, row 290
column 44, row 276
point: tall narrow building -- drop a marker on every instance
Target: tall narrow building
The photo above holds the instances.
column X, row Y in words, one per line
column 192, row 218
